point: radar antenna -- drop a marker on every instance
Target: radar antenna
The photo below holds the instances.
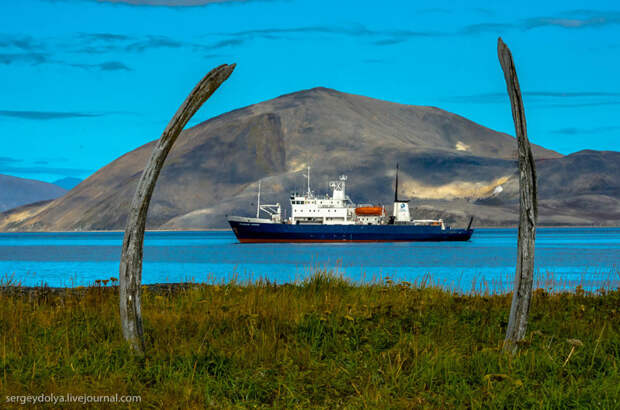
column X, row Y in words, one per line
column 308, row 176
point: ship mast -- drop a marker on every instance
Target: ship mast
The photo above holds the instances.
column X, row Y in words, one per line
column 396, row 186
column 258, row 201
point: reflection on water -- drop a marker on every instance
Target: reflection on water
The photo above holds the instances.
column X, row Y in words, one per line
column 565, row 258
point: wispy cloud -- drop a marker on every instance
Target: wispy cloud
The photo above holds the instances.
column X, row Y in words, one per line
column 485, row 98
column 556, row 99
column 583, row 104
column 109, row 42
column 25, row 49
column 356, row 30
column 106, row 66
column 18, row 166
column 4, row 160
column 33, row 58
column 486, row 27
column 389, row 41
column 151, row 42
column 103, row 43
column 568, row 20
column 578, row 94
column 45, row 115
column 21, row 42
column 586, row 131
column 233, row 42
column 105, row 37
column 37, row 170
column 575, row 19
column 378, row 37
column 99, row 43
column 19, row 49
column 173, row 3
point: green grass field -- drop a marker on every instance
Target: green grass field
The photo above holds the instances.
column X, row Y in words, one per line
column 322, row 343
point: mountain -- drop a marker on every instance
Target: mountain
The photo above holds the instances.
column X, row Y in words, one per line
column 577, row 189
column 16, row 191
column 68, row 183
column 451, row 167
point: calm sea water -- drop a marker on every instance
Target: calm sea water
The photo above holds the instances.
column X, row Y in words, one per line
column 565, row 258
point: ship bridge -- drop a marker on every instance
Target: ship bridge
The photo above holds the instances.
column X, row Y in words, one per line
column 311, row 209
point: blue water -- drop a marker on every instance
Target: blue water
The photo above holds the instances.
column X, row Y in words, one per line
column 565, row 258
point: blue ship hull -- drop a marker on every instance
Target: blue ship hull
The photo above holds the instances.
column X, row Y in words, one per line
column 256, row 232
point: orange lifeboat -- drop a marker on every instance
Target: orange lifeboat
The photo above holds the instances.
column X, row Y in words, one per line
column 369, row 211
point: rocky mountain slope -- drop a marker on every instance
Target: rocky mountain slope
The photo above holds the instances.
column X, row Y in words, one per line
column 16, row 191
column 451, row 167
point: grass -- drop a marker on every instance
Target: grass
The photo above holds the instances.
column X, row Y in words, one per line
column 324, row 342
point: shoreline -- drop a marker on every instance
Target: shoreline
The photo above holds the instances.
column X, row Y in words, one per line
column 230, row 230
column 176, row 287
column 159, row 288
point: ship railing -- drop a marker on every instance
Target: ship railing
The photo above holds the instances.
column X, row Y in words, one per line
column 330, row 207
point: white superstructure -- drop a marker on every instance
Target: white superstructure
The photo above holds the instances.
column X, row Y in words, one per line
column 338, row 209
column 309, row 208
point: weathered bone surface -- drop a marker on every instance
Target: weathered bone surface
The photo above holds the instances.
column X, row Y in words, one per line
column 528, row 208
column 131, row 256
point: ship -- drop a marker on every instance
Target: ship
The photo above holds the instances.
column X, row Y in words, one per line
column 335, row 218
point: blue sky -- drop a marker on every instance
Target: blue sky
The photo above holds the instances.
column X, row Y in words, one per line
column 84, row 81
